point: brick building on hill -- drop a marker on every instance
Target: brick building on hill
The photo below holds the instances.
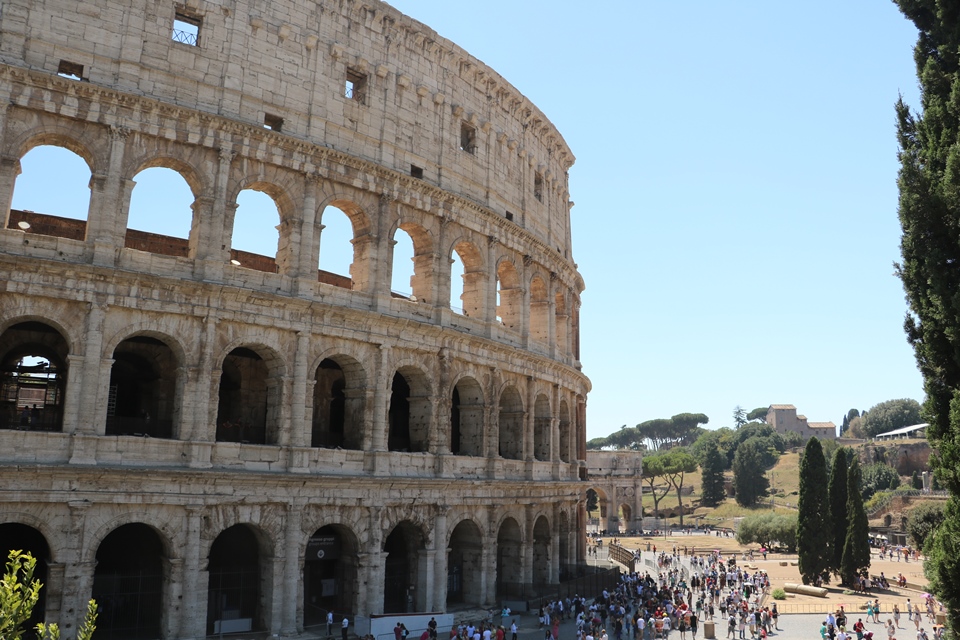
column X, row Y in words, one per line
column 784, row 419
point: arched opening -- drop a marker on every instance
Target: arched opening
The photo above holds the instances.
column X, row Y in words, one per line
column 510, row 423
column 563, row 553
column 467, row 290
column 565, row 435
column 234, row 594
column 128, row 583
column 33, row 366
column 52, row 193
column 336, row 249
column 596, row 508
column 256, row 231
column 143, row 389
column 402, row 269
column 161, row 213
column 626, row 517
column 409, row 412
column 337, row 406
column 464, row 565
column 509, row 296
column 401, row 585
column 541, row 428
column 541, row 552
column 28, row 540
column 509, row 560
column 466, row 418
column 248, row 408
column 562, row 318
column 539, row 311
column 329, row 574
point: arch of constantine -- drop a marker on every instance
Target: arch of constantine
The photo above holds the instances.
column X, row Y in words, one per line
column 258, row 441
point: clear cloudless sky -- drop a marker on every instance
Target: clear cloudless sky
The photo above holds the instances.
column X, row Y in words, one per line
column 735, row 190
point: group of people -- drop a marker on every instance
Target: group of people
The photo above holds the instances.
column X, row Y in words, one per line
column 834, row 627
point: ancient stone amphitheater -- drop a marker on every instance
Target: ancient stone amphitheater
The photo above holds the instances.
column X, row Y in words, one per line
column 211, row 441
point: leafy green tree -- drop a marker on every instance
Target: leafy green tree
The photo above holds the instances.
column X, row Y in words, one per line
column 878, row 477
column 711, row 477
column 758, row 415
column 19, row 593
column 930, row 247
column 749, row 479
column 769, row 528
column 853, row 413
column 722, row 439
column 837, row 492
column 814, row 539
column 680, row 430
column 890, row 415
column 654, row 468
column 739, row 417
column 855, row 428
column 593, row 501
column 856, row 546
column 845, row 425
column 923, row 520
column 678, row 463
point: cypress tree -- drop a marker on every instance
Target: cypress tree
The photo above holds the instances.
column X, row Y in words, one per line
column 929, row 210
column 711, row 478
column 856, row 547
column 838, row 507
column 814, row 535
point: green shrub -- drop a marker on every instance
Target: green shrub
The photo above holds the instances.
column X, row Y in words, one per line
column 779, row 594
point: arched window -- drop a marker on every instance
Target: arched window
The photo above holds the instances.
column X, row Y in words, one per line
column 33, row 377
column 128, row 583
column 541, row 428
column 161, row 213
column 256, row 231
column 401, row 283
column 52, row 193
column 511, row 424
column 509, row 296
column 337, row 404
column 541, row 552
column 249, row 399
column 467, row 280
column 466, row 418
column 336, row 249
column 509, row 566
column 539, row 311
column 143, row 389
column 329, row 574
column 235, row 598
column 409, row 412
column 465, row 565
column 401, row 569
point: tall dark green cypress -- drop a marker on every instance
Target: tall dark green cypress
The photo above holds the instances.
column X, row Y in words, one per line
column 814, row 535
column 838, row 508
column 711, row 477
column 929, row 212
column 856, row 547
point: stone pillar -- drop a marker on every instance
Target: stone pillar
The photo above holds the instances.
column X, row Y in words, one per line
column 193, row 614
column 529, row 417
column 370, row 569
column 552, row 348
column 106, row 223
column 299, row 427
column 526, row 547
column 377, row 462
column 54, row 590
column 90, row 377
column 437, row 600
column 490, row 313
column 525, row 305
column 308, row 256
column 172, row 593
column 103, row 392
column 73, row 395
column 9, row 170
column 292, row 575
column 78, row 572
column 380, row 265
column 221, row 226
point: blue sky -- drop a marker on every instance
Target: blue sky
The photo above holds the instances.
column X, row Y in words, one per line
column 735, row 190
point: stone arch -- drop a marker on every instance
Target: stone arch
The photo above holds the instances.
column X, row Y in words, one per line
column 510, row 419
column 625, row 516
column 330, row 572
column 354, row 206
column 472, row 294
column 539, row 310
column 29, row 539
column 509, row 295
column 239, row 588
column 561, row 321
column 465, row 564
column 603, row 505
column 34, row 370
column 146, row 385
column 410, row 411
column 466, row 417
column 542, row 559
column 177, row 234
column 250, row 394
column 542, row 423
column 423, row 281
column 129, row 580
column 403, row 581
column 90, row 149
column 338, row 402
column 509, row 559
column 565, row 432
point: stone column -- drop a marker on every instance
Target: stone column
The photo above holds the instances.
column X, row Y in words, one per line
column 172, row 593
column 490, row 313
column 292, row 575
column 378, row 463
column 106, row 223
column 193, row 621
column 203, row 428
column 552, row 315
column 437, row 600
column 84, row 446
column 73, row 395
column 525, row 305
column 380, row 265
column 370, row 569
column 529, row 420
column 54, row 590
column 308, row 257
column 300, row 429
column 526, row 547
column 78, row 572
column 9, row 170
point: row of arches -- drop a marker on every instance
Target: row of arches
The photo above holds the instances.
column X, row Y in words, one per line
column 251, row 393
column 136, row 573
column 186, row 204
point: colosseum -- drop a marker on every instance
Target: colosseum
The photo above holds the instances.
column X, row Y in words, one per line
column 209, row 440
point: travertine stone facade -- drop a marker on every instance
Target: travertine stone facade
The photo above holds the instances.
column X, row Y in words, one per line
column 617, row 477
column 261, row 442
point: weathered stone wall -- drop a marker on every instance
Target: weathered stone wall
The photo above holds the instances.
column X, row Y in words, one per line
column 505, row 502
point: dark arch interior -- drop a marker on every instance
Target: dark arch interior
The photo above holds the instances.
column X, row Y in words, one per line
column 329, row 576
column 29, row 540
column 465, row 565
column 242, row 408
column 509, row 572
column 329, row 406
column 455, row 422
column 400, row 569
column 128, row 583
column 142, row 389
column 399, row 416
column 33, row 377
column 233, row 593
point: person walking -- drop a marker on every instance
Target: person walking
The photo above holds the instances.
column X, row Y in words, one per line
column 344, row 626
column 329, row 623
